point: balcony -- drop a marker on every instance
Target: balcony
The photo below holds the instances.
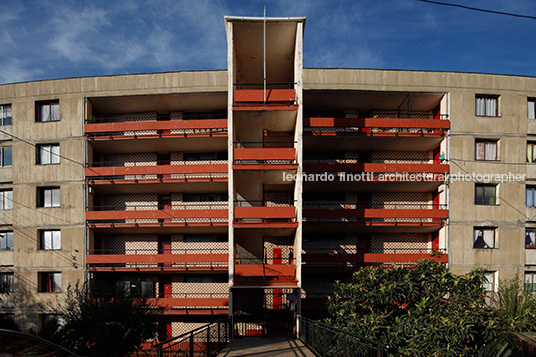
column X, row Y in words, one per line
column 257, row 272
column 265, row 159
column 247, row 216
column 107, row 173
column 148, row 260
column 428, row 169
column 192, row 214
column 192, row 303
column 253, row 97
column 378, row 215
column 112, row 129
column 381, row 124
column 359, row 258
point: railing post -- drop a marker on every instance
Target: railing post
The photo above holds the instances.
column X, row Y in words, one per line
column 191, row 344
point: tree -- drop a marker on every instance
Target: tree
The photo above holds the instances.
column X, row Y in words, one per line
column 420, row 311
column 515, row 307
column 103, row 324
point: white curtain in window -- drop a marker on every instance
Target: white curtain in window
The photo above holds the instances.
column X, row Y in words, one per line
column 57, row 282
column 7, row 198
column 530, row 237
column 488, row 281
column 531, row 109
column 44, row 112
column 491, row 150
column 47, row 198
column 47, row 240
column 44, row 154
column 54, row 112
column 54, row 154
column 529, row 152
column 55, row 197
column 489, row 237
column 480, row 106
column 56, row 239
column 491, row 107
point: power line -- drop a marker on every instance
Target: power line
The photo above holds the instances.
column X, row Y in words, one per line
column 479, row 9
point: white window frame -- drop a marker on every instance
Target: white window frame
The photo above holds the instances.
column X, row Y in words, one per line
column 50, row 239
column 531, row 151
column 490, row 283
column 530, row 280
column 6, row 199
column 48, row 154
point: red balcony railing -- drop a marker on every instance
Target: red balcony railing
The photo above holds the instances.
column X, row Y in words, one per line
column 400, row 166
column 255, row 272
column 106, row 129
column 193, row 259
column 310, row 258
column 117, row 173
column 180, row 215
column 192, row 303
column 265, row 217
column 265, row 158
column 388, row 123
column 404, row 214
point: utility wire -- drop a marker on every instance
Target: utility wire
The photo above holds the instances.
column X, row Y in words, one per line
column 479, row 9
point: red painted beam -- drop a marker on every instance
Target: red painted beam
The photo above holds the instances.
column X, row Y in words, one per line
column 371, row 258
column 155, row 125
column 156, row 214
column 260, row 270
column 154, row 170
column 257, row 95
column 187, row 302
column 377, row 168
column 288, row 212
column 376, row 213
column 377, row 123
column 265, row 154
column 155, row 258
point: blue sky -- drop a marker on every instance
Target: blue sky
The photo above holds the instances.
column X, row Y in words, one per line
column 46, row 39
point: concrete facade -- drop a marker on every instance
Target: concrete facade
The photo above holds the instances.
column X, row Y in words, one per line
column 177, row 179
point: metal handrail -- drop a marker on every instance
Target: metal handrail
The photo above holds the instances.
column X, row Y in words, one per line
column 372, row 161
column 356, row 205
column 289, row 85
column 372, row 250
column 316, row 336
column 211, row 346
column 250, row 203
column 263, row 144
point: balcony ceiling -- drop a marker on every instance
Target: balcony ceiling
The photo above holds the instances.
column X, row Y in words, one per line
column 161, row 103
column 249, row 53
column 364, row 100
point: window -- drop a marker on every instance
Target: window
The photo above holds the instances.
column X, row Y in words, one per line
column 6, row 240
column 530, row 281
column 489, row 281
column 50, row 239
column 48, row 154
column 49, row 282
column 531, row 108
column 49, row 321
column 48, row 111
column 530, row 238
column 48, row 197
column 6, row 156
column 137, row 289
column 6, row 199
column 485, row 194
column 486, row 150
column 6, row 282
column 484, row 238
column 530, row 196
column 5, row 114
column 531, row 151
column 486, row 105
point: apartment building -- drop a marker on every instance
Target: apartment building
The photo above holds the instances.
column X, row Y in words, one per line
column 248, row 191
